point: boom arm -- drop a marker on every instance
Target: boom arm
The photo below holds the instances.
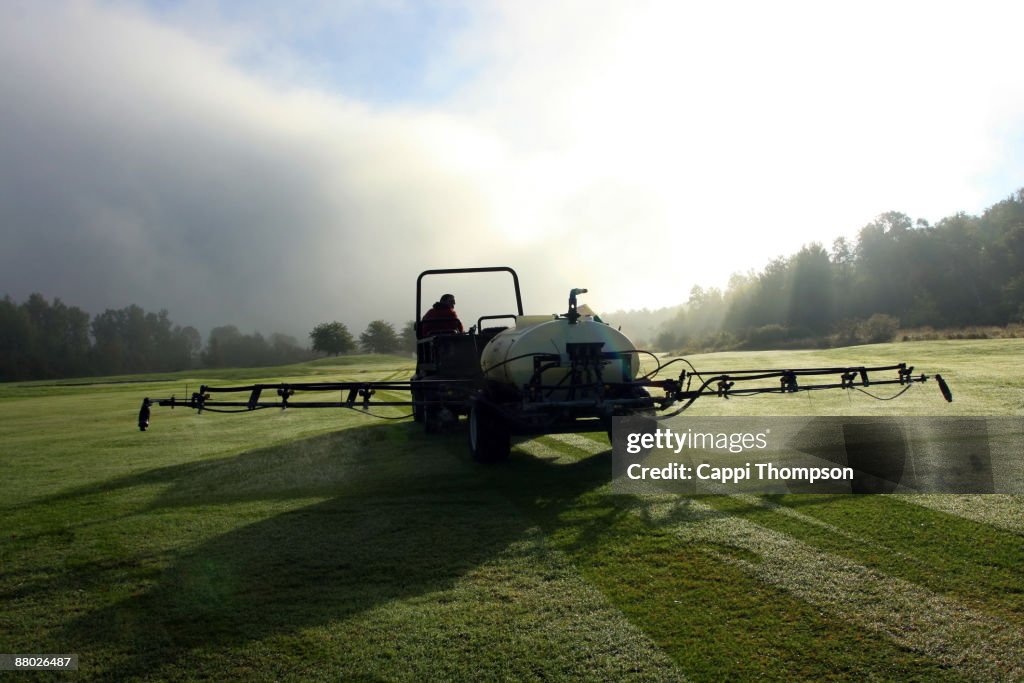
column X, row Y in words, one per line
column 353, row 395
column 724, row 384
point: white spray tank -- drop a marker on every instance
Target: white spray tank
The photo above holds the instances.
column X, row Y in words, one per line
column 509, row 357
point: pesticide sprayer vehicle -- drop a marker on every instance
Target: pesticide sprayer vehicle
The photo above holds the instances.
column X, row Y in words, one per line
column 533, row 375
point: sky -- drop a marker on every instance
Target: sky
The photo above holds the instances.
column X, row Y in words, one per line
column 274, row 165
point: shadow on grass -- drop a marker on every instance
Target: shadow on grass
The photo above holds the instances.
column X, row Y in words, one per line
column 403, row 517
column 347, row 461
column 312, row 566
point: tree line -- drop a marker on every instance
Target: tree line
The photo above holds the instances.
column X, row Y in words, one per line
column 963, row 271
column 40, row 339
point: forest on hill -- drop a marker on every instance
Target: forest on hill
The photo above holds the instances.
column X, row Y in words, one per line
column 963, row 271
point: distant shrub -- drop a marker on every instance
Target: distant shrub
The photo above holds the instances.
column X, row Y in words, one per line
column 713, row 341
column 766, row 336
column 991, row 332
column 879, row 328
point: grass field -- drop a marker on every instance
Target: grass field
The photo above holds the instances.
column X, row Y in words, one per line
column 323, row 545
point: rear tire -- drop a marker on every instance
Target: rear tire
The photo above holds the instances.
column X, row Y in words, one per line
column 418, row 413
column 432, row 422
column 433, row 413
column 489, row 439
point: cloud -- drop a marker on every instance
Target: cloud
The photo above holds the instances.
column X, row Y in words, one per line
column 741, row 131
column 141, row 166
column 244, row 167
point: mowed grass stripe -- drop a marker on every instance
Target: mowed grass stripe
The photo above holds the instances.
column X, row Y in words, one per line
column 974, row 563
column 981, row 645
column 402, row 566
column 998, row 510
column 540, row 448
column 525, row 614
column 716, row 618
column 843, row 536
column 931, row 640
column 589, row 443
column 931, row 610
column 397, row 588
column 247, row 547
column 560, row 447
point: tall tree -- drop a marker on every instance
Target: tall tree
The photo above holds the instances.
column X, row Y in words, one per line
column 810, row 303
column 379, row 337
column 228, row 347
column 220, row 344
column 15, row 342
column 59, row 338
column 332, row 338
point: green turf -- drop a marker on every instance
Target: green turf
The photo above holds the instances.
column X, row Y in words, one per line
column 326, row 545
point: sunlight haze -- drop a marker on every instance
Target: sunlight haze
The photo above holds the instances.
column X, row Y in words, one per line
column 277, row 165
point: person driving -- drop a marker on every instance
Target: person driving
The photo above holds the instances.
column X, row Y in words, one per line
column 441, row 318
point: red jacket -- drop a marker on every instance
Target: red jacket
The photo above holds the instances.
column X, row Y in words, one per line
column 440, row 318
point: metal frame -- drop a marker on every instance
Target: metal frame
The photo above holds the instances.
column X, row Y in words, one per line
column 456, row 271
column 585, row 403
column 359, row 395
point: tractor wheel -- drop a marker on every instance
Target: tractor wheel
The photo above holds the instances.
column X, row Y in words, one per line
column 432, row 422
column 433, row 414
column 418, row 413
column 489, row 440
